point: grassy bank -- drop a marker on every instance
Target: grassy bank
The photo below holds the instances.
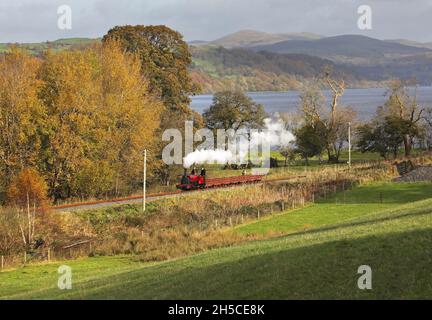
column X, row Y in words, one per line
column 318, row 263
column 341, row 207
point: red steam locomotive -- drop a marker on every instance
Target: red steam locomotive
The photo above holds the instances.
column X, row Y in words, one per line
column 194, row 181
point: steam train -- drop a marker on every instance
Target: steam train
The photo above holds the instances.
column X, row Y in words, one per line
column 195, row 181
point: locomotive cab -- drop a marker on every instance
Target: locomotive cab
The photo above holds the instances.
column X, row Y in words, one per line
column 192, row 181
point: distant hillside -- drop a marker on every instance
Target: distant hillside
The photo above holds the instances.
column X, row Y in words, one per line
column 198, row 42
column 218, row 68
column 250, row 38
column 362, row 61
column 354, row 49
column 427, row 45
column 418, row 67
column 57, row 45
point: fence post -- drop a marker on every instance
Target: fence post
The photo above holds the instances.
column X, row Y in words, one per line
column 25, row 257
column 2, row 263
column 49, row 254
column 258, row 214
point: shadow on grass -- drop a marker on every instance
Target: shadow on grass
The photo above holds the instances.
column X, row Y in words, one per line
column 400, row 264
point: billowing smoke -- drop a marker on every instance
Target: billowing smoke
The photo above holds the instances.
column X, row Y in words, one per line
column 208, row 156
column 273, row 135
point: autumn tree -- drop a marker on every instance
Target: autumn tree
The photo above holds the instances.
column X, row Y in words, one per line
column 165, row 60
column 100, row 118
column 27, row 193
column 71, row 96
column 234, row 110
column 130, row 118
column 21, row 113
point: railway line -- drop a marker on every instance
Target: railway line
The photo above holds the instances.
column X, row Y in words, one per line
column 154, row 196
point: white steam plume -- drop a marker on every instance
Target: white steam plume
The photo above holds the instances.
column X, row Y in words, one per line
column 274, row 134
column 207, row 156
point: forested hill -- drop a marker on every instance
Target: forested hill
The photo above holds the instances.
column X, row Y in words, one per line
column 346, row 48
column 218, row 68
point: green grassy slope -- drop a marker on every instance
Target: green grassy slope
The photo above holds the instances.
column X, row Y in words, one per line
column 344, row 206
column 319, row 263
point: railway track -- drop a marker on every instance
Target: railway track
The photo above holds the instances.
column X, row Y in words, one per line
column 150, row 197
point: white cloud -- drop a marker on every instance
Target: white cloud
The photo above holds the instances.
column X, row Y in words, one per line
column 26, row 20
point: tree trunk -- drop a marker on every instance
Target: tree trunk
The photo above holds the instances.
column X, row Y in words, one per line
column 29, row 219
column 407, row 144
column 329, row 154
column 331, row 157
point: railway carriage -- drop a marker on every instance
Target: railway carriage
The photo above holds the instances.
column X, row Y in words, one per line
column 194, row 181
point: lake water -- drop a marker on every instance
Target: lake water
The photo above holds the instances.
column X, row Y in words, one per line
column 364, row 101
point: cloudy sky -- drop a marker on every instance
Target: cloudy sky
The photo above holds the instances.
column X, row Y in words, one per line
column 36, row 20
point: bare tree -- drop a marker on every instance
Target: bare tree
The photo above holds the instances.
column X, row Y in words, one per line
column 334, row 120
column 338, row 88
column 405, row 109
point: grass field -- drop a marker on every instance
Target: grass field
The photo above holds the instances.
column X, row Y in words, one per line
column 322, row 262
column 341, row 207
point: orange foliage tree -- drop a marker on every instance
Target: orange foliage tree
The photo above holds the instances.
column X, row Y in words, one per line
column 27, row 193
column 82, row 118
column 21, row 113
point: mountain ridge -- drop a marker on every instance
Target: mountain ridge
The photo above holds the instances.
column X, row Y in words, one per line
column 345, row 48
column 249, row 38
